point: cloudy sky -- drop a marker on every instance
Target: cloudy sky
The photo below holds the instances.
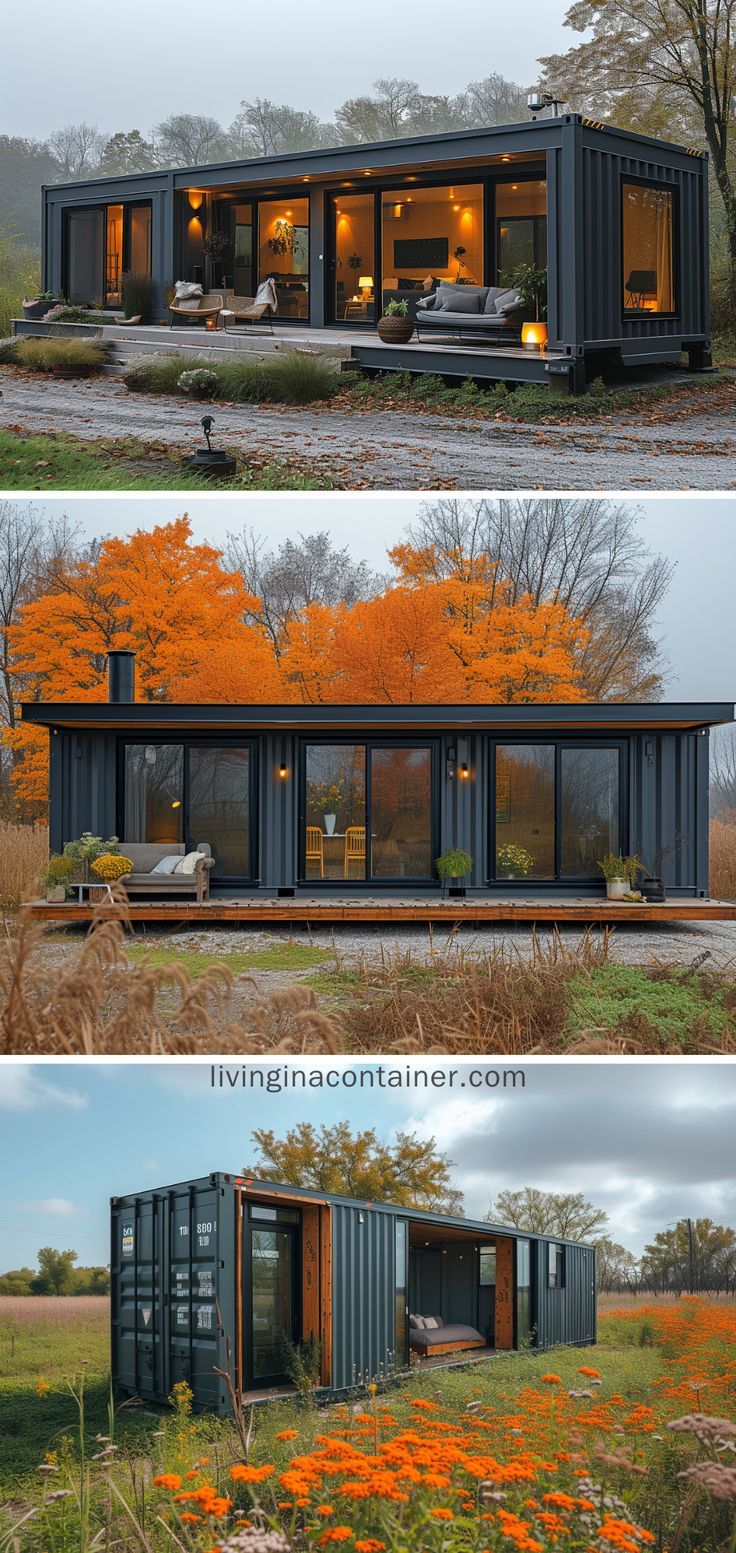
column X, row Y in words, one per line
column 126, row 70
column 649, row 1143
column 699, row 534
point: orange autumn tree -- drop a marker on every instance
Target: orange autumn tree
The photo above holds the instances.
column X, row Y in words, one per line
column 195, row 629
column 157, row 592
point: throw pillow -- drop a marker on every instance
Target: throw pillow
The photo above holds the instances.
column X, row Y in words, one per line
column 187, row 290
column 430, row 1323
column 460, row 302
column 417, row 1323
column 508, row 302
column 167, row 865
column 187, row 865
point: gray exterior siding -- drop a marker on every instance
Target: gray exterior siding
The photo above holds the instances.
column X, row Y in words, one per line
column 585, row 163
column 363, row 1298
column 566, row 1315
column 664, row 801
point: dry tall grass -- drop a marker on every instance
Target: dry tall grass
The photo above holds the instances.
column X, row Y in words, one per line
column 24, row 851
column 60, row 1309
column 723, row 860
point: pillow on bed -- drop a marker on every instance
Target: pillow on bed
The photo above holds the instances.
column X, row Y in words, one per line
column 417, row 1323
column 431, row 1323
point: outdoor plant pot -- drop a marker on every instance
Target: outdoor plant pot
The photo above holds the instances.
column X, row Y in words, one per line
column 98, row 893
column 56, row 894
column 70, row 372
column 395, row 330
column 616, row 889
column 330, row 824
column 39, row 307
column 652, row 888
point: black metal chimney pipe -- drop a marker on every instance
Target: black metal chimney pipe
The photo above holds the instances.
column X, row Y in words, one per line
column 120, row 675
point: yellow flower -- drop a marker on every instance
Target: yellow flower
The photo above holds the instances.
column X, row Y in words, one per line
column 42, row 1388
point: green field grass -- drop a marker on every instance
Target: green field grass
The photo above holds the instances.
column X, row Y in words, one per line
column 59, row 462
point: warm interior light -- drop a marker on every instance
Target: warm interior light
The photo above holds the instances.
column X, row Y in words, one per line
column 534, row 335
column 176, row 804
column 464, row 770
column 210, row 323
column 195, row 199
column 289, row 212
column 366, row 282
column 456, row 207
column 282, row 770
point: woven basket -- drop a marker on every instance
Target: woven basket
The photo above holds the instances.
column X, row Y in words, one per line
column 395, row 330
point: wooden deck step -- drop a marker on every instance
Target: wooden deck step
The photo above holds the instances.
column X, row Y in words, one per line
column 381, row 910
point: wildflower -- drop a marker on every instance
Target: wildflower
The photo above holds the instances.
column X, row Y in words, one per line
column 552, row 1380
column 42, row 1388
column 718, row 1480
column 287, row 1434
column 335, row 1534
column 370, row 1545
column 325, row 1509
column 443, row 1514
column 585, row 1369
column 254, row 1540
column 168, row 1480
column 245, row 1474
column 189, row 1518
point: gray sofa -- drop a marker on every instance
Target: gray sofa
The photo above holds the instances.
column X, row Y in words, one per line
column 144, row 855
column 495, row 312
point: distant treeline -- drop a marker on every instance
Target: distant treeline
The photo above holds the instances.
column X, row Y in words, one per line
column 56, row 1274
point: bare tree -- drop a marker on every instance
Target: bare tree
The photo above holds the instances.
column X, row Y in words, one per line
column 494, row 100
column 587, row 553
column 568, row 1214
column 723, row 772
column 308, row 570
column 617, row 1269
column 185, row 139
column 77, row 148
column 387, row 115
column 264, row 128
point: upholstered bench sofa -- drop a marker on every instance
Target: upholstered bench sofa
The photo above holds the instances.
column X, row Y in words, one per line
column 148, row 877
column 496, row 312
column 429, row 1335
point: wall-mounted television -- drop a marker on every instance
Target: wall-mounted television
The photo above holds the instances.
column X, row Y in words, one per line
column 421, row 253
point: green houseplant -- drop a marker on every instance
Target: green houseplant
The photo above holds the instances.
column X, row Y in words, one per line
column 453, row 865
column 395, row 327
column 56, row 877
column 85, row 850
column 530, row 281
column 38, row 306
column 620, row 874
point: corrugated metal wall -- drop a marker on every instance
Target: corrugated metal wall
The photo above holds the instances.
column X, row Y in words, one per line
column 363, row 1293
column 669, row 807
column 566, row 1315
column 602, row 278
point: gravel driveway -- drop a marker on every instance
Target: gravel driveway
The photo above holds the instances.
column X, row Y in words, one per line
column 392, row 449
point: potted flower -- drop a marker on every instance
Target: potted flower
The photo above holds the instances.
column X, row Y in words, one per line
column 56, row 876
column 200, row 383
column 620, row 874
column 85, row 850
column 513, row 862
column 108, row 868
column 325, row 798
column 395, row 327
column 454, row 865
column 38, row 306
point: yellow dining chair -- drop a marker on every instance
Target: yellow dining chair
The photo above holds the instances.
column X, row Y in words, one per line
column 315, row 852
column 355, row 850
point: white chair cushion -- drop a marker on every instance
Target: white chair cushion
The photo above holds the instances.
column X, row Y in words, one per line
column 188, row 864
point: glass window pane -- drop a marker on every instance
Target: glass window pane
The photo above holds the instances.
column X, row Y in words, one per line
column 261, row 1211
column 273, row 1299
column 140, row 240
column 401, row 813
column 487, row 1266
column 523, row 1293
column 429, row 235
column 521, row 225
column 648, row 220
column 154, row 793
column 86, row 242
column 114, row 255
column 589, row 810
column 243, row 252
column 283, row 253
column 525, row 811
column 219, row 806
column 355, row 295
column 402, row 1327
column 335, row 812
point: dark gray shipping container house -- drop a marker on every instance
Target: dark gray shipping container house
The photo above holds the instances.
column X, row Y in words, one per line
column 618, row 220
column 220, row 1272
column 329, row 805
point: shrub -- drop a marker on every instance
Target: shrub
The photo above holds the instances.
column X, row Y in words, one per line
column 19, row 277
column 72, row 313
column 8, row 351
column 86, row 849
column 199, row 381
column 158, row 374
column 58, row 871
column 136, row 295
column 292, row 378
column 44, row 355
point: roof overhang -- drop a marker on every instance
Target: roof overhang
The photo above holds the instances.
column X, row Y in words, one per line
column 586, row 716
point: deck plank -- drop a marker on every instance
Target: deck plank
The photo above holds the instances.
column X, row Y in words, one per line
column 448, row 913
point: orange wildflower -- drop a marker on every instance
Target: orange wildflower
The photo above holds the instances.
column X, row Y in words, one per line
column 443, row 1514
column 552, row 1380
column 287, row 1434
column 335, row 1534
column 370, row 1545
column 170, row 1480
column 241, row 1473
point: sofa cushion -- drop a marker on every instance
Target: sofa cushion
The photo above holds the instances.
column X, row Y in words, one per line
column 458, row 303
column 166, row 865
column 450, row 288
column 508, row 302
column 494, row 292
column 188, row 864
column 144, row 855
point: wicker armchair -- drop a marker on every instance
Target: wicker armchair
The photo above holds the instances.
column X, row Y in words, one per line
column 208, row 306
column 248, row 311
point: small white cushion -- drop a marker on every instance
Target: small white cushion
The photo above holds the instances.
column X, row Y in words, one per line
column 430, row 1323
column 417, row 1322
column 187, row 290
column 167, row 865
column 187, row 865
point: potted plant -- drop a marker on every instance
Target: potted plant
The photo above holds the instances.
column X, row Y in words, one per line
column 85, row 850
column 513, row 862
column 395, row 327
column 530, row 281
column 620, row 874
column 56, row 877
column 454, row 865
column 108, row 868
column 38, row 306
column 651, row 883
column 200, row 383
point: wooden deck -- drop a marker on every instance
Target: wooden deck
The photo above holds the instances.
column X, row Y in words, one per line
column 376, row 909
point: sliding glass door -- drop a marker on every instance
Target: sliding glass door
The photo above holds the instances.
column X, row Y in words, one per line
column 102, row 244
column 188, row 792
column 559, row 808
column 368, row 812
column 272, row 1310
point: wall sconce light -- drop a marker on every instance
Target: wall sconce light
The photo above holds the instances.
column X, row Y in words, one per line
column 283, row 773
column 176, row 804
column 464, row 772
column 450, row 762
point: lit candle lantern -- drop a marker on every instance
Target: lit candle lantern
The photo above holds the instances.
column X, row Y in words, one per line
column 534, row 336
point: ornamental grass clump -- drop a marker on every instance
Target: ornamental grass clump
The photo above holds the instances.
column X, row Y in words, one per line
column 53, row 355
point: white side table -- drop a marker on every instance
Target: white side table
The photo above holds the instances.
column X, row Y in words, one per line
column 225, row 313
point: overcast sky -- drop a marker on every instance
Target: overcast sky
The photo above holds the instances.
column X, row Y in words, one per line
column 649, row 1144
column 132, row 68
column 695, row 624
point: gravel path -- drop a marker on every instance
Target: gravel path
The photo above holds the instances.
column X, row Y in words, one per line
column 394, row 449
